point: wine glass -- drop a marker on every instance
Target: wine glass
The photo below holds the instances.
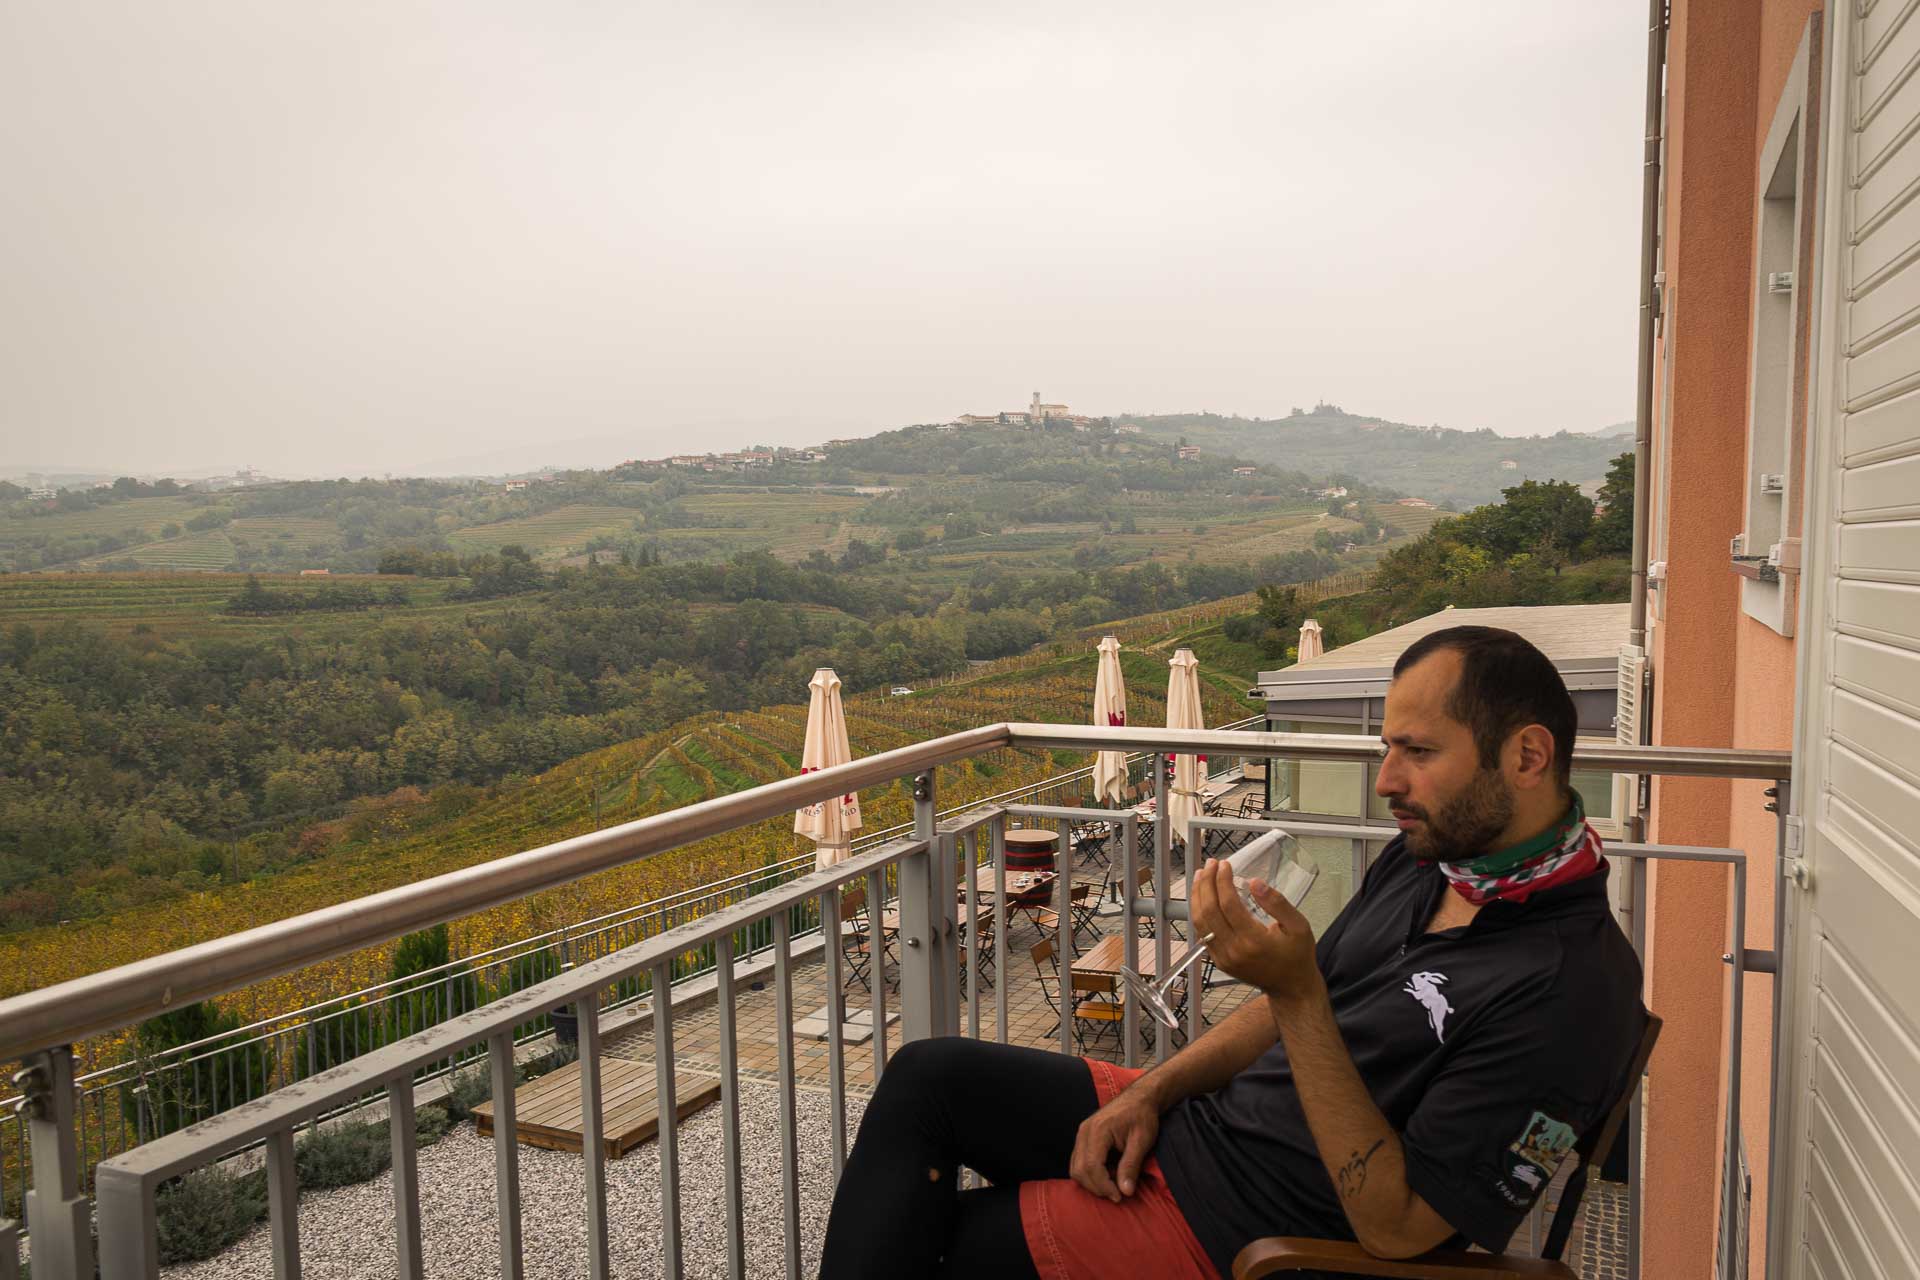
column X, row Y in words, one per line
column 1262, row 859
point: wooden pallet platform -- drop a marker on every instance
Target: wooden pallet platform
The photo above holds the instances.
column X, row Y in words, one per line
column 547, row 1110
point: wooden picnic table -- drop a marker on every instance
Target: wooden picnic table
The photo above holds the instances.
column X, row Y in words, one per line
column 1209, row 791
column 890, row 918
column 1042, row 883
column 1107, row 955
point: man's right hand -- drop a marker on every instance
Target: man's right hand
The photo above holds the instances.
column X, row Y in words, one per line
column 1129, row 1124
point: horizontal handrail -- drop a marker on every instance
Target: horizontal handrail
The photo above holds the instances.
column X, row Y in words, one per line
column 1695, row 762
column 102, row 1002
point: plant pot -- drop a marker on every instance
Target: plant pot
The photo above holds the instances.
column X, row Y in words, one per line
column 566, row 1025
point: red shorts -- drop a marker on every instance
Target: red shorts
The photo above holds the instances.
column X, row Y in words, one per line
column 1076, row 1235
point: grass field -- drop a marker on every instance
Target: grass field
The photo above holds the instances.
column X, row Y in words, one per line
column 551, row 535
column 268, row 530
column 174, row 604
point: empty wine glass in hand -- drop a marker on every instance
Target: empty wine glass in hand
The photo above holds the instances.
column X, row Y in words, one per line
column 1263, row 859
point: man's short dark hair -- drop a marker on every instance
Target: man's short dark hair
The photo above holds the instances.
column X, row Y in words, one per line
column 1505, row 684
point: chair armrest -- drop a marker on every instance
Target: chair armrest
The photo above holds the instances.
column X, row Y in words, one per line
column 1278, row 1255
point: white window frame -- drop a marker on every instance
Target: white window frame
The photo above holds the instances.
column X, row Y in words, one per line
column 1767, row 553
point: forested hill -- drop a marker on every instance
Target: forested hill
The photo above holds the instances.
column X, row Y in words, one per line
column 1451, row 468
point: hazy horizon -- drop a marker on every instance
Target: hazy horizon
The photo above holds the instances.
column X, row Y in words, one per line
column 364, row 239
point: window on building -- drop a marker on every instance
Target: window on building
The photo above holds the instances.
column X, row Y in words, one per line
column 1767, row 552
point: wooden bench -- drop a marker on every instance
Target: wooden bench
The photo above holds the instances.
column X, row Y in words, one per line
column 546, row 1111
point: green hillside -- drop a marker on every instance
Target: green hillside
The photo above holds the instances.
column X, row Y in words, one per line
column 1456, row 469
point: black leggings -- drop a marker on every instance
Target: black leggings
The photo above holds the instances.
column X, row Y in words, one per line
column 1009, row 1113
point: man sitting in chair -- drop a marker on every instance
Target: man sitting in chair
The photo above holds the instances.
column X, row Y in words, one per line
column 1410, row 1081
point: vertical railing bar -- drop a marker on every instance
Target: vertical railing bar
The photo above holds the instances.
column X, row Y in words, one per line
column 1063, row 956
column 20, row 1142
column 789, row 1122
column 836, row 1030
column 730, row 1109
column 506, row 1153
column 83, row 1166
column 997, row 850
column 593, row 1146
column 1730, row 1156
column 877, row 967
column 1162, row 935
column 970, row 944
column 408, row 1262
column 283, row 1206
column 668, row 1137
column 1635, row 1118
column 1196, row 986
column 1130, row 933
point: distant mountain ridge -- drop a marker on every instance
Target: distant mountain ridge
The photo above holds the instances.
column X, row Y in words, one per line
column 1453, row 468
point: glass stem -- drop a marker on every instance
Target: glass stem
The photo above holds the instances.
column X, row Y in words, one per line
column 1193, row 958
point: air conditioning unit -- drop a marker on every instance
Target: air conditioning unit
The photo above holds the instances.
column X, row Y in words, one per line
column 1773, row 482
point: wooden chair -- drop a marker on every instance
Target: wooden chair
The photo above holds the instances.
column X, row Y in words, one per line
column 1143, row 888
column 857, row 939
column 1083, row 905
column 1281, row 1254
column 1089, row 841
column 976, row 945
column 1099, row 1006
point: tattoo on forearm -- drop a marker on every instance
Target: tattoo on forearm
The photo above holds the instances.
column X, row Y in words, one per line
column 1353, row 1174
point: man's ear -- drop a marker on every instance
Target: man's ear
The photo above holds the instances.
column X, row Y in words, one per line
column 1530, row 757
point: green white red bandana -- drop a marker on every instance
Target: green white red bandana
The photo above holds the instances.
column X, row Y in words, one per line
column 1567, row 851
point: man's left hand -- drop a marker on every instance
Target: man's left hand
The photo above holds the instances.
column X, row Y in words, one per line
column 1277, row 958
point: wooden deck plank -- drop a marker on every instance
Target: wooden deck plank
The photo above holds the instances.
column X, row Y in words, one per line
column 548, row 1112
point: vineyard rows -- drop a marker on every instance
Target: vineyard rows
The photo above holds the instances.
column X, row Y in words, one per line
column 211, row 550
column 149, row 515
column 550, row 534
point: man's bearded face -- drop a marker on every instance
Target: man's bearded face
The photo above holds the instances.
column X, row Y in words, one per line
column 1462, row 825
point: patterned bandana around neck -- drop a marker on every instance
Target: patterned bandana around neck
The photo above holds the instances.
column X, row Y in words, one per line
column 1567, row 851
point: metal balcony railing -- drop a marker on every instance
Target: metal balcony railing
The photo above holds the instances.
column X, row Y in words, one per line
column 128, row 1102
column 922, row 864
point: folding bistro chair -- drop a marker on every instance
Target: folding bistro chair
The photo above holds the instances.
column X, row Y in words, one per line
column 1089, row 841
column 976, row 944
column 1098, row 1007
column 1083, row 905
column 857, row 940
column 1279, row 1255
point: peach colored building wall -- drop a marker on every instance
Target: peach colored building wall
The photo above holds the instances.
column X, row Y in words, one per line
column 1721, row 678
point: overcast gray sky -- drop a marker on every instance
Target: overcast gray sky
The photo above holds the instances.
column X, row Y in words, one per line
column 357, row 236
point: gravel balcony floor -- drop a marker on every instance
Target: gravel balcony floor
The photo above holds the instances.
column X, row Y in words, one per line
column 347, row 1234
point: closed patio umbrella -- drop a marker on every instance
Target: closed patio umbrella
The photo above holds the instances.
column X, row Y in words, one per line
column 1183, row 712
column 1109, row 708
column 1312, row 645
column 829, row 823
